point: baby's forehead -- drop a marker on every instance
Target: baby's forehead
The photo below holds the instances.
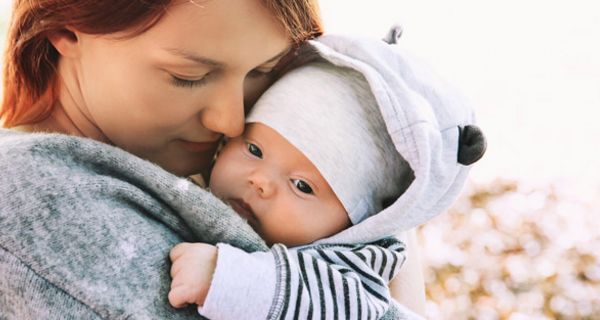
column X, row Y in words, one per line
column 274, row 144
column 278, row 150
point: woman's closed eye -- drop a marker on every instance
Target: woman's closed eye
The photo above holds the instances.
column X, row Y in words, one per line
column 178, row 81
column 302, row 186
column 254, row 150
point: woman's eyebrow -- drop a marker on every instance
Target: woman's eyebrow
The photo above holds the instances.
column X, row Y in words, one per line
column 195, row 58
column 214, row 63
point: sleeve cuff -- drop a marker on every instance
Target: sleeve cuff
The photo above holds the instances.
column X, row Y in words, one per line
column 243, row 285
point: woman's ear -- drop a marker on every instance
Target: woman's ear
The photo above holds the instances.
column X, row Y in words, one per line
column 66, row 42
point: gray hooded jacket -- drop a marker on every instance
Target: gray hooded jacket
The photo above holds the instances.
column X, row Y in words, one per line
column 432, row 128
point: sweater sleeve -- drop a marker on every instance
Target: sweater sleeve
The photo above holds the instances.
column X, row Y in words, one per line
column 314, row 281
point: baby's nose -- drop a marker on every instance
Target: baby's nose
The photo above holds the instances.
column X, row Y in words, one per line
column 262, row 185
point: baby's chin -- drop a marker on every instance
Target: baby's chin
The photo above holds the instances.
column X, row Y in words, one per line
column 271, row 239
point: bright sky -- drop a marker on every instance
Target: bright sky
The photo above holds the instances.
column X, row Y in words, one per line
column 532, row 69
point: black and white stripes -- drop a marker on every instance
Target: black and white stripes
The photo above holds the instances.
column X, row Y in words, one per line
column 335, row 281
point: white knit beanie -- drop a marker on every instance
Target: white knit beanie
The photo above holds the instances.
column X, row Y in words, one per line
column 330, row 115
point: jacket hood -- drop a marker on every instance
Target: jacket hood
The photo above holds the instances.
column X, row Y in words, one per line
column 430, row 123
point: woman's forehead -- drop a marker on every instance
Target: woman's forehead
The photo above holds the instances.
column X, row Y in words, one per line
column 241, row 34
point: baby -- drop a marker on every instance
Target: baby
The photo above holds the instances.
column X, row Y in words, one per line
column 306, row 170
column 316, row 166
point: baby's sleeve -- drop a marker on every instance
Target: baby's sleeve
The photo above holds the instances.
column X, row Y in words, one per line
column 342, row 281
column 243, row 285
column 314, row 281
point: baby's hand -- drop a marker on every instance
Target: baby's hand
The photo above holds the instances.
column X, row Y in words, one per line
column 191, row 271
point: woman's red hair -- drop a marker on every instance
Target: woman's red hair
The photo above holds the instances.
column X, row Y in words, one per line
column 30, row 59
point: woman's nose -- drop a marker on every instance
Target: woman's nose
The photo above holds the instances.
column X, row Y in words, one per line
column 224, row 113
column 262, row 184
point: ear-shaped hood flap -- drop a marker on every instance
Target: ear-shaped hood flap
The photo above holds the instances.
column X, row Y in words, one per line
column 431, row 125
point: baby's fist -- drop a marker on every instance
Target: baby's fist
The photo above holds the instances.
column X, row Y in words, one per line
column 193, row 265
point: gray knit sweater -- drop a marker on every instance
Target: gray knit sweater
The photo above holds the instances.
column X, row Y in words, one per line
column 86, row 228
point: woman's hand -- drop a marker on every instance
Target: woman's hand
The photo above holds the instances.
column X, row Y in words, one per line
column 193, row 265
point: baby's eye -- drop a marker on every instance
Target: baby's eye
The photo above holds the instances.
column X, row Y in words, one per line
column 302, row 186
column 254, row 150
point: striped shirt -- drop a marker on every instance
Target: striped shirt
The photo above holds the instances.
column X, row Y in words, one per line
column 327, row 281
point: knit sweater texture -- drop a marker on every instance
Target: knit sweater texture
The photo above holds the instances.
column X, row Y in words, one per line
column 86, row 229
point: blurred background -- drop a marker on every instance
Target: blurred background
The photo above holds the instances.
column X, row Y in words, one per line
column 523, row 240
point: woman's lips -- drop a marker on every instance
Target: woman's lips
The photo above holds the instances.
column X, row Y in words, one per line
column 243, row 209
column 197, row 147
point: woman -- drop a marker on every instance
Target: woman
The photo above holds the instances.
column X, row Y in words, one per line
column 163, row 80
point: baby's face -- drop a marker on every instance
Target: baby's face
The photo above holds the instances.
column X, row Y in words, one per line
column 276, row 188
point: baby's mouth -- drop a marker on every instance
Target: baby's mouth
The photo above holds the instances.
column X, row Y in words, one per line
column 243, row 209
